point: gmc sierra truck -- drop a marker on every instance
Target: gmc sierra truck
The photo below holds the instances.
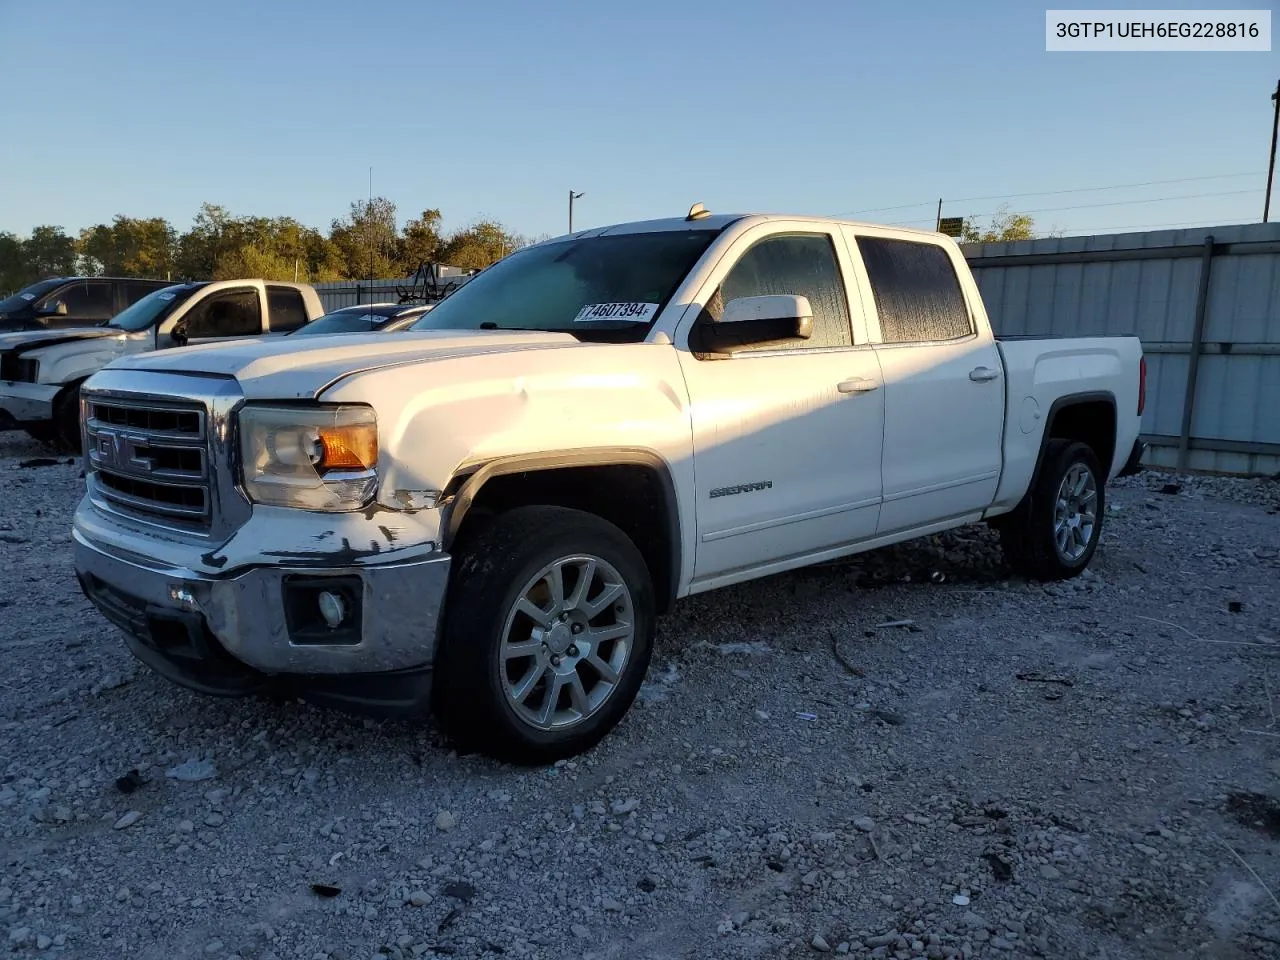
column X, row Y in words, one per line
column 484, row 518
column 41, row 372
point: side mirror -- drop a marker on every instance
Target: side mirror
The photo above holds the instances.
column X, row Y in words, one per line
column 750, row 321
column 55, row 309
column 179, row 333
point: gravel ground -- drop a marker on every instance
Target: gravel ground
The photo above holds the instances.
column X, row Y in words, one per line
column 1087, row 770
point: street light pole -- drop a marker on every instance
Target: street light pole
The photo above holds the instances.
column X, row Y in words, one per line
column 1271, row 167
column 572, row 197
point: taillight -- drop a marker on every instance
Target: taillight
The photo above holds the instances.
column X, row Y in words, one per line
column 1142, row 385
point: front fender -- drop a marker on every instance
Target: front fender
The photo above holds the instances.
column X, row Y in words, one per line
column 444, row 418
column 69, row 362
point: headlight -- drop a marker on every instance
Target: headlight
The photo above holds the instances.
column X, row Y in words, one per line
column 314, row 458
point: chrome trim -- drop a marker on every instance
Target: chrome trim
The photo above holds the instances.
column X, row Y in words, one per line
column 215, row 399
column 401, row 607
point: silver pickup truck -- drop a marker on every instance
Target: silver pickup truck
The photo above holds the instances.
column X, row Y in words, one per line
column 41, row 371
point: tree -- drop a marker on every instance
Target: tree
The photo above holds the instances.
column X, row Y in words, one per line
column 49, row 252
column 367, row 239
column 420, row 242
column 200, row 248
column 1003, row 226
column 13, row 264
column 477, row 246
column 129, row 247
column 221, row 246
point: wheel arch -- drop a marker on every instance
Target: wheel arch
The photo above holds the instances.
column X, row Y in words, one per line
column 1073, row 417
column 572, row 478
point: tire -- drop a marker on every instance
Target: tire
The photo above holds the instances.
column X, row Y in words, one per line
column 66, row 418
column 497, row 664
column 1035, row 544
column 42, row 431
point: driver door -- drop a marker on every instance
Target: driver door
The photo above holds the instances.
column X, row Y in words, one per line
column 231, row 314
column 787, row 435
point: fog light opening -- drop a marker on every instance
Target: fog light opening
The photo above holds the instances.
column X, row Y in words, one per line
column 332, row 608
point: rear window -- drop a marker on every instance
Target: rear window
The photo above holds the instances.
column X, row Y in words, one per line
column 916, row 290
column 286, row 307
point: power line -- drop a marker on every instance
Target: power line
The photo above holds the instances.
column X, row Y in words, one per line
column 1050, row 193
column 1087, row 206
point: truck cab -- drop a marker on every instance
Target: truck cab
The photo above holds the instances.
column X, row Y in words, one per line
column 41, row 370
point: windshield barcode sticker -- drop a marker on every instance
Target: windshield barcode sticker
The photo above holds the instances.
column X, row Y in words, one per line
column 636, row 312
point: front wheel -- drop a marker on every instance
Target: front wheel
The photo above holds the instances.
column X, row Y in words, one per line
column 1053, row 533
column 547, row 635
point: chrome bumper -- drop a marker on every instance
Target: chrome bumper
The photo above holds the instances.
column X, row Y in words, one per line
column 244, row 613
column 27, row 402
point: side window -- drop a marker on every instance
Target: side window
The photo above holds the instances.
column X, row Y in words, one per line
column 85, row 300
column 230, row 313
column 133, row 292
column 917, row 292
column 802, row 265
column 286, row 308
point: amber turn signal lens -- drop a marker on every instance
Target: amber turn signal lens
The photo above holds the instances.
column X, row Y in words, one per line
column 349, row 447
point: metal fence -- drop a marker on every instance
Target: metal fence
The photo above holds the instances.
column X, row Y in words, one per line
column 349, row 293
column 1206, row 303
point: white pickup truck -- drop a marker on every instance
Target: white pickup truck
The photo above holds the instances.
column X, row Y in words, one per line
column 41, row 371
column 484, row 518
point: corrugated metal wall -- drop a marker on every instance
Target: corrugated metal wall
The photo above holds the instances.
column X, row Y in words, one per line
column 1148, row 284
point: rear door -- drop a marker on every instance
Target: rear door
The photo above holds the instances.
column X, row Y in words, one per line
column 787, row 435
column 943, row 383
column 286, row 310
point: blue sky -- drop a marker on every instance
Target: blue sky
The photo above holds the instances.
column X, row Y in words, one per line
column 497, row 109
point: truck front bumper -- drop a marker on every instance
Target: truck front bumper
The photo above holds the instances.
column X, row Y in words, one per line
column 260, row 629
column 27, row 402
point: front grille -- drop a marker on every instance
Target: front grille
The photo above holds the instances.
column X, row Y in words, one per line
column 151, row 458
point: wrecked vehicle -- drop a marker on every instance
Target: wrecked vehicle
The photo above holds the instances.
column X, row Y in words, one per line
column 483, row 515
column 41, row 372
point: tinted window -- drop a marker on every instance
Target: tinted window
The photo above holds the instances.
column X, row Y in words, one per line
column 286, row 308
column 342, row 322
column 85, row 300
column 802, row 266
column 134, row 291
column 233, row 313
column 917, row 293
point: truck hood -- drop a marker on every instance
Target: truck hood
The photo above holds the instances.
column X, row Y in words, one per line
column 285, row 368
column 24, row 339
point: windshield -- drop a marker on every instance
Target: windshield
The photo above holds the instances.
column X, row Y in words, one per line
column 28, row 295
column 609, row 287
column 148, row 311
column 351, row 320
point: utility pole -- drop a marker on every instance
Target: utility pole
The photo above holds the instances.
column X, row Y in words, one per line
column 1271, row 167
column 572, row 197
column 938, row 221
column 368, row 213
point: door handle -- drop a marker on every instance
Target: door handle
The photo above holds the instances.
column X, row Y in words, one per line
column 982, row 374
column 858, row 385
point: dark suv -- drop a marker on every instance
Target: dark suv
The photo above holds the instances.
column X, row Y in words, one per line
column 72, row 302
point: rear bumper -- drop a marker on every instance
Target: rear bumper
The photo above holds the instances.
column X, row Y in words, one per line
column 1134, row 463
column 26, row 402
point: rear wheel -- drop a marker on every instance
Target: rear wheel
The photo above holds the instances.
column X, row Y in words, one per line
column 1053, row 533
column 547, row 635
